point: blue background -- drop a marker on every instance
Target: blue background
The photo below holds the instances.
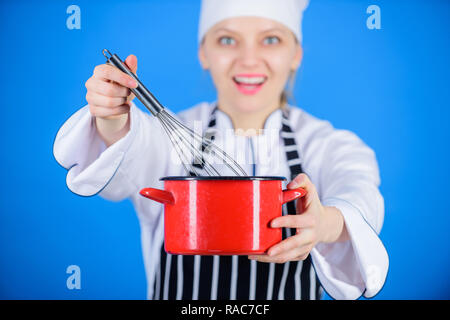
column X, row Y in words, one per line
column 390, row 86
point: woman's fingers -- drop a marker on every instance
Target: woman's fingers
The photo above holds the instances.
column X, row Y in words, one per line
column 109, row 89
column 111, row 73
column 296, row 247
column 103, row 112
column 131, row 62
column 94, row 98
column 304, row 220
column 300, row 253
column 303, row 181
column 300, row 181
column 292, row 243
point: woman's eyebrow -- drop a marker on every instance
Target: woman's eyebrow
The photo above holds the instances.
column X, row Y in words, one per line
column 224, row 29
column 273, row 29
column 263, row 31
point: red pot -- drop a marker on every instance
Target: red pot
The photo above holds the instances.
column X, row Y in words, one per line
column 221, row 215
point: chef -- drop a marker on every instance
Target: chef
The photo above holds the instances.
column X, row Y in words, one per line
column 252, row 49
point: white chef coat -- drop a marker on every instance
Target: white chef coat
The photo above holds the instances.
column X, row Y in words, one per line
column 341, row 166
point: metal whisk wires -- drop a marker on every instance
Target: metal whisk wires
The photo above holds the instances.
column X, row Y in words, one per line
column 193, row 158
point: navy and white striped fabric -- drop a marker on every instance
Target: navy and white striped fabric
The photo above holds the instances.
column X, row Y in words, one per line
column 236, row 277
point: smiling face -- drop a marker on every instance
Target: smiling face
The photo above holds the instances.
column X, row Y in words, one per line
column 250, row 59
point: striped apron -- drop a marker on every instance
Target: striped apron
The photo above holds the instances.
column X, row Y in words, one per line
column 188, row 277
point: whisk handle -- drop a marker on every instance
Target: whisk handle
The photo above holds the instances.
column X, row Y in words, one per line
column 141, row 92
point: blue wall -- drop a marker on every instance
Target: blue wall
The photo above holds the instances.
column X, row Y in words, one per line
column 390, row 86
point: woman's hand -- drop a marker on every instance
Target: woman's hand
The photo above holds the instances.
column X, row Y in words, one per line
column 108, row 90
column 109, row 98
column 314, row 223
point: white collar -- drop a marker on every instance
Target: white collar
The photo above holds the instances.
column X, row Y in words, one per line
column 223, row 121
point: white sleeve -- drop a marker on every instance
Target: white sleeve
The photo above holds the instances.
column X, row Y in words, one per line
column 349, row 180
column 137, row 160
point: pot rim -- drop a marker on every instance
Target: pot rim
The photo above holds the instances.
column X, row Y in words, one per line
column 245, row 178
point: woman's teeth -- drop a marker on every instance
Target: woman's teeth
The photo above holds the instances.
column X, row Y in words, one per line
column 249, row 85
column 249, row 80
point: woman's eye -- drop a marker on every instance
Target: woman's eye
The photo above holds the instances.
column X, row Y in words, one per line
column 227, row 41
column 271, row 40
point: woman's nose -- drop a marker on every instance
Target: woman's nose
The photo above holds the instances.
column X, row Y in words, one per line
column 249, row 56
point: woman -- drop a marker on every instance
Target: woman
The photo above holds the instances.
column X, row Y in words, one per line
column 251, row 48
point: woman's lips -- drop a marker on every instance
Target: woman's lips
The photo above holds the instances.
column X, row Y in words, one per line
column 249, row 88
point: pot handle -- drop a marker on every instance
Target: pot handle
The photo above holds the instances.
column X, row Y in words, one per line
column 164, row 197
column 292, row 194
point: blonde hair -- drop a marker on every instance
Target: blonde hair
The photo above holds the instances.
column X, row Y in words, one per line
column 287, row 96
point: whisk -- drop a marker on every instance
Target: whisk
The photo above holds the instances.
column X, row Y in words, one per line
column 190, row 146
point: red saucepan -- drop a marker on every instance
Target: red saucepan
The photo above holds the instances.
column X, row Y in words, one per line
column 221, row 215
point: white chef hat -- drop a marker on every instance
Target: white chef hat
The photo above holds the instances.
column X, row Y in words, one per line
column 287, row 12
